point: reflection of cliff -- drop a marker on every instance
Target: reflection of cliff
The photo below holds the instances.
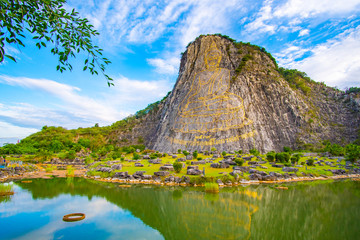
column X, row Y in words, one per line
column 175, row 214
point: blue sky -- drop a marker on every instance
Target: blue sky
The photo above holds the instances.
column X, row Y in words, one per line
column 144, row 40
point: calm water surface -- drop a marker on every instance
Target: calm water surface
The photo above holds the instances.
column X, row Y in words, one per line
column 312, row 210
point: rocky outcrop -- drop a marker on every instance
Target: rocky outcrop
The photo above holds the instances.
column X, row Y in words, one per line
column 231, row 96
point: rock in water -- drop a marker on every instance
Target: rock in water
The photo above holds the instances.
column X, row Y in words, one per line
column 231, row 95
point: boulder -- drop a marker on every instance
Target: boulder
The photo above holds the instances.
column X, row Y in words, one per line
column 192, row 167
column 189, row 157
column 218, row 181
column 338, row 171
column 255, row 176
column 198, row 162
column 185, row 179
column 166, row 168
column 146, row 177
column 121, row 175
column 193, row 172
column 104, row 169
column 116, row 167
column 146, row 157
column 277, row 165
column 155, row 161
column 139, row 173
column 138, row 165
column 215, row 165
column 161, row 173
column 216, row 155
column 290, row 169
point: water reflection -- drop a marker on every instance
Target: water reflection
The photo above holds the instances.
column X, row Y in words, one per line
column 305, row 211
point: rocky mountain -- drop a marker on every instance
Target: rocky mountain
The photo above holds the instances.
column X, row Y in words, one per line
column 232, row 96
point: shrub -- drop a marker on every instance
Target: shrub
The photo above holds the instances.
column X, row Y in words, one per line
column 136, row 156
column 254, row 152
column 223, row 153
column 195, row 154
column 240, row 151
column 282, row 157
column 286, row 156
column 239, row 161
column 177, row 166
column 270, row 156
column 213, row 149
column 199, row 158
column 310, row 162
column 352, row 152
column 122, row 159
column 179, row 151
column 287, row 164
column 295, row 158
column 287, row 149
column 186, row 153
column 71, row 155
column 88, row 160
column 49, row 168
column 211, row 187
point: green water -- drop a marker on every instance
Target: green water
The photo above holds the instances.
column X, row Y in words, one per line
column 321, row 210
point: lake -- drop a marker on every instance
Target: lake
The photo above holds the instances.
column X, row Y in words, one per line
column 308, row 210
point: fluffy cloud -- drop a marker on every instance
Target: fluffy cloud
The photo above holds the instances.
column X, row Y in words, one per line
column 7, row 130
column 74, row 110
column 333, row 62
column 264, row 15
column 308, row 8
column 165, row 66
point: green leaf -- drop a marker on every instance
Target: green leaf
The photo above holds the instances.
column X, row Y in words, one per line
column 10, row 57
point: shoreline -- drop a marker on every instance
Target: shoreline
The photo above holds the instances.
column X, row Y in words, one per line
column 125, row 182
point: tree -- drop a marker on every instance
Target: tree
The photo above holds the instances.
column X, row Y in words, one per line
column 48, row 22
column 195, row 154
column 270, row 156
column 352, row 152
column 177, row 166
column 254, row 152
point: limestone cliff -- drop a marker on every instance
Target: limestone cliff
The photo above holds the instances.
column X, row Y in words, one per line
column 231, row 96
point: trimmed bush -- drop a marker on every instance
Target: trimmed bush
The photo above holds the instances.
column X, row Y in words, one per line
column 254, row 152
column 239, row 161
column 177, row 166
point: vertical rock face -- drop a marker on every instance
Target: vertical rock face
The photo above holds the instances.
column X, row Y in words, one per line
column 230, row 96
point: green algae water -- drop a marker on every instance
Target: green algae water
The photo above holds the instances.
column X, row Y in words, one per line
column 309, row 210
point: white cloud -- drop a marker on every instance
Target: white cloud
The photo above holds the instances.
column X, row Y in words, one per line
column 304, row 32
column 80, row 106
column 207, row 17
column 165, row 66
column 139, row 92
column 75, row 110
column 9, row 130
column 264, row 15
column 308, row 8
column 334, row 62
